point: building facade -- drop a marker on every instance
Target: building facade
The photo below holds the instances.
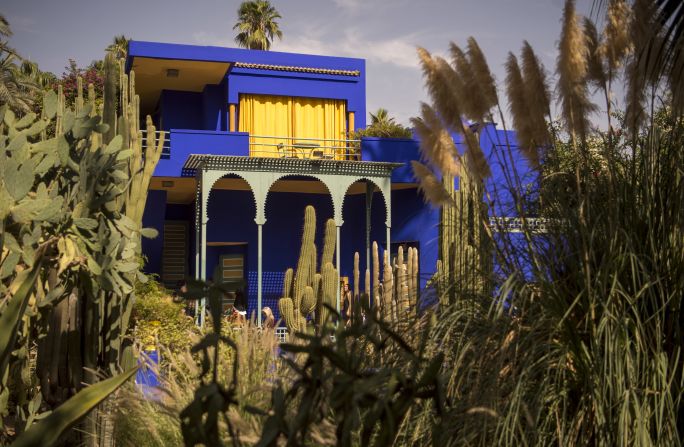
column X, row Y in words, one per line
column 252, row 138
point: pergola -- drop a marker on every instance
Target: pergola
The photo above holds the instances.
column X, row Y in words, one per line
column 262, row 173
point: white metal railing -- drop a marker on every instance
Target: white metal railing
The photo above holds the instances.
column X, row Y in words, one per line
column 281, row 334
column 516, row 224
column 306, row 148
column 166, row 148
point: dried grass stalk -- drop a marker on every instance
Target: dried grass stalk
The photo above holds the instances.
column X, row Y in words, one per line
column 436, row 144
column 537, row 96
column 482, row 73
column 443, row 86
column 572, row 69
column 520, row 110
column 430, row 185
column 474, row 104
column 617, row 43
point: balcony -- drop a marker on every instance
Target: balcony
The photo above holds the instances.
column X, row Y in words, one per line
column 181, row 143
column 304, row 148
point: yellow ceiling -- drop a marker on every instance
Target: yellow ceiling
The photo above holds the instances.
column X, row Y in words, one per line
column 151, row 78
column 182, row 190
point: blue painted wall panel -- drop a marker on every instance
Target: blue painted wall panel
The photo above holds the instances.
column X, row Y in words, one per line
column 393, row 150
column 181, row 110
column 214, row 108
column 186, row 142
column 153, row 217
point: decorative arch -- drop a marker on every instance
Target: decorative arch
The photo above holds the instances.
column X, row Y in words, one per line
column 385, row 190
column 318, row 177
column 211, row 178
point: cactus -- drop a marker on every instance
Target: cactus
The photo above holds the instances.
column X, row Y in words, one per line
column 71, row 204
column 356, row 275
column 304, row 290
column 308, row 301
column 286, row 308
column 376, row 276
column 329, row 294
column 301, row 279
column 387, row 289
column 462, row 241
column 329, row 239
column 287, row 283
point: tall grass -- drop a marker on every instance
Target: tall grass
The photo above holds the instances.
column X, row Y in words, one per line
column 153, row 417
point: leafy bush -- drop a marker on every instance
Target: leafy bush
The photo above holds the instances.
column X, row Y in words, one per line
column 159, row 319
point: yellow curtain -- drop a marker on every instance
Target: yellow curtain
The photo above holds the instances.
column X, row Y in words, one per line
column 294, row 120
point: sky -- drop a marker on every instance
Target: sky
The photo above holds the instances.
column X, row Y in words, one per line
column 384, row 32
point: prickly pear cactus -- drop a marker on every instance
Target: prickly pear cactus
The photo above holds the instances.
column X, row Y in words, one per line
column 72, row 191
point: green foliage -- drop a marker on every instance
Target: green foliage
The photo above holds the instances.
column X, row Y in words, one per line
column 160, row 320
column 382, row 126
column 48, row 430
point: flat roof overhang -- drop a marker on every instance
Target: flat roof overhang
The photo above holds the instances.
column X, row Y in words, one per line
column 151, row 77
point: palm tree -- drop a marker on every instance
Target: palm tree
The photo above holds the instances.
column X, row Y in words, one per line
column 16, row 88
column 119, row 46
column 257, row 25
column 381, row 118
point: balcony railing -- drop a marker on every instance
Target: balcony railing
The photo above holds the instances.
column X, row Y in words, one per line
column 166, row 148
column 306, row 148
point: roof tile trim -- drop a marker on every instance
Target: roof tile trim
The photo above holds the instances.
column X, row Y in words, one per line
column 298, row 69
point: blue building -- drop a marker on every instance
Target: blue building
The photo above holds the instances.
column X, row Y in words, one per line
column 254, row 137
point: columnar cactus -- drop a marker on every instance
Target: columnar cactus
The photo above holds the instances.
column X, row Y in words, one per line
column 356, row 275
column 304, row 290
column 376, row 275
column 462, row 241
column 329, row 293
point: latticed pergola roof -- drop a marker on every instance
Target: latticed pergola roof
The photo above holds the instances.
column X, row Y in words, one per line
column 303, row 166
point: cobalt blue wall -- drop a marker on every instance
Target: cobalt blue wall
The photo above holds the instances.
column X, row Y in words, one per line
column 395, row 150
column 181, row 110
column 153, row 217
column 214, row 108
column 413, row 220
column 186, row 142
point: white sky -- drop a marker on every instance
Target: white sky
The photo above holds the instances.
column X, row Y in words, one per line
column 384, row 32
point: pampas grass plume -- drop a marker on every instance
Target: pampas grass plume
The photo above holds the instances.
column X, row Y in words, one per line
column 474, row 104
column 520, row 110
column 430, row 185
column 617, row 43
column 537, row 95
column 484, row 76
column 476, row 162
column 595, row 71
column 436, row 143
column 572, row 70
